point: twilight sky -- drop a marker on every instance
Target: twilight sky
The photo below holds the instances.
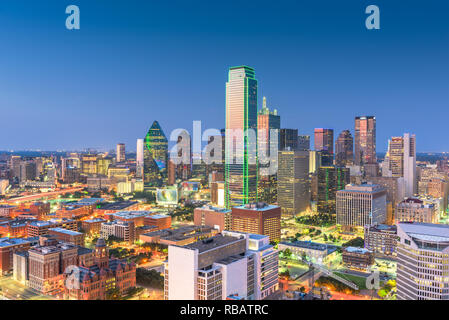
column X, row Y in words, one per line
column 133, row 62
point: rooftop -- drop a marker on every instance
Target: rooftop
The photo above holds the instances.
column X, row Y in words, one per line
column 7, row 242
column 119, row 205
column 131, row 214
column 69, row 232
column 356, row 250
column 258, row 206
column 311, row 245
column 211, row 243
column 426, row 231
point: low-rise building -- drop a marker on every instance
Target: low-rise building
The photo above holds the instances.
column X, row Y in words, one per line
column 415, row 210
column 357, row 258
column 317, row 252
column 381, row 239
column 69, row 236
column 180, row 236
column 119, row 229
column 218, row 218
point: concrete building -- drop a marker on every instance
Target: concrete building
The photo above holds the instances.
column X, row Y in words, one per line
column 69, row 236
column 228, row 264
column 414, row 209
column 258, row 218
column 359, row 205
column 293, row 184
column 422, row 262
column 120, row 154
column 381, row 239
column 357, row 258
column 218, row 218
column 9, row 246
column 317, row 252
column 118, row 228
column 181, row 236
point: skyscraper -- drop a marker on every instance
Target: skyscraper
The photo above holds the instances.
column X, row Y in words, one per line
column 139, row 158
column 344, row 146
column 410, row 164
column 396, row 156
column 330, row 179
column 293, row 182
column 402, row 161
column 155, row 155
column 324, row 142
column 241, row 137
column 288, row 139
column 303, row 143
column 120, row 155
column 365, row 140
column 422, row 264
column 268, row 122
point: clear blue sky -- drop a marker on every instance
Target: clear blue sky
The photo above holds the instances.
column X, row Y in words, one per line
column 133, row 62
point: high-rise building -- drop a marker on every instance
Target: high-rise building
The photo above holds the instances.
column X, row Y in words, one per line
column 293, row 182
column 258, row 218
column 288, row 139
column 120, row 154
column 228, row 264
column 396, row 156
column 268, row 122
column 139, row 158
column 410, row 164
column 303, row 143
column 360, row 205
column 344, row 146
column 365, row 140
column 330, row 179
column 324, row 140
column 241, row 161
column 155, row 155
column 324, row 143
column 422, row 261
column 402, row 161
column 183, row 156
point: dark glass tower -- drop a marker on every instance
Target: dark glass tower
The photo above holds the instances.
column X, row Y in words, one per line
column 344, row 146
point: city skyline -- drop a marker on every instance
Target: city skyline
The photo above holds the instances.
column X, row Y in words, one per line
column 327, row 79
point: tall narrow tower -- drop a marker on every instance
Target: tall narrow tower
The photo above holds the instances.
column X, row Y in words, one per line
column 365, row 140
column 241, row 137
column 410, row 164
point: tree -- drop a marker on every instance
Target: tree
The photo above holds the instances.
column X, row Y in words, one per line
column 287, row 253
column 149, row 278
column 113, row 294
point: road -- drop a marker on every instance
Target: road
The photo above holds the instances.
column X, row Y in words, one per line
column 37, row 196
column 14, row 290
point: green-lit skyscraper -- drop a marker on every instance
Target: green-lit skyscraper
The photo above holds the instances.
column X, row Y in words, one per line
column 241, row 137
column 155, row 155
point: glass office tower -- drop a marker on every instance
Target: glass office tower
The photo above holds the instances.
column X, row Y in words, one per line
column 155, row 155
column 241, row 162
column 365, row 140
